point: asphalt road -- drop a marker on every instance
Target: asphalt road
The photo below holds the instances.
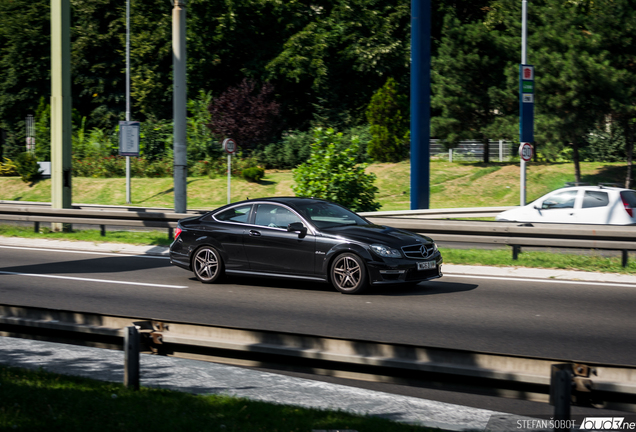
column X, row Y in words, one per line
column 586, row 321
column 558, row 319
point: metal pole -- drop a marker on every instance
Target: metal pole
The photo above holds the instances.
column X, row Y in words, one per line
column 128, row 197
column 524, row 42
column 61, row 144
column 524, row 31
column 131, row 358
column 229, row 177
column 179, row 104
column 420, row 102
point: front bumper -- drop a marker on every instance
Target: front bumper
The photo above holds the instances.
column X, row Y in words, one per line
column 405, row 270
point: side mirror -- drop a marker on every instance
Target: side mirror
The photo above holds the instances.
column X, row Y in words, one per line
column 297, row 227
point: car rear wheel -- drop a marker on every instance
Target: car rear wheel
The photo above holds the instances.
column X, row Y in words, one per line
column 349, row 274
column 207, row 264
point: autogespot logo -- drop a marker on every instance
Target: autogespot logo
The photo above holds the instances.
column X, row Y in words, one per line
column 607, row 423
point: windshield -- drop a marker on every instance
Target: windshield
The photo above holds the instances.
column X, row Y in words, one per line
column 328, row 215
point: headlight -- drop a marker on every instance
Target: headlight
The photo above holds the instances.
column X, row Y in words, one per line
column 385, row 251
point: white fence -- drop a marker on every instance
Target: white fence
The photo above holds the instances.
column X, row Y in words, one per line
column 498, row 150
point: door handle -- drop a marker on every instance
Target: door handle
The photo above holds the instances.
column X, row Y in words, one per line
column 254, row 233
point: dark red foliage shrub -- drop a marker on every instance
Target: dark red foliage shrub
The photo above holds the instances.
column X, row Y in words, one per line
column 250, row 117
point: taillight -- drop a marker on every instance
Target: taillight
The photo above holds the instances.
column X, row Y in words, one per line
column 177, row 231
column 628, row 208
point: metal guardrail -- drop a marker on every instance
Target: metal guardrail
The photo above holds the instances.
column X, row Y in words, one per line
column 622, row 238
column 528, row 378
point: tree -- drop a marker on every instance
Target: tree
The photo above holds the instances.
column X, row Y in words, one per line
column 25, row 49
column 248, row 116
column 388, row 116
column 574, row 75
column 98, row 36
column 344, row 54
column 335, row 175
column 468, row 83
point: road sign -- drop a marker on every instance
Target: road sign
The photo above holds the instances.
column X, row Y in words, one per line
column 525, row 151
column 229, row 146
column 129, row 138
column 526, row 103
column 527, row 72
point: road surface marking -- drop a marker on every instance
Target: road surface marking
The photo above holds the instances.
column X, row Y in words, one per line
column 94, row 280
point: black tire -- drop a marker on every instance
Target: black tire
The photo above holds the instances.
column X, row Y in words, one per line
column 349, row 274
column 207, row 264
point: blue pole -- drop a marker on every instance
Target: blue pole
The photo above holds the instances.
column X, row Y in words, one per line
column 420, row 102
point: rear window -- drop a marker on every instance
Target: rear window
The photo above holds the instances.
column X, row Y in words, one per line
column 235, row 214
column 629, row 197
column 595, row 199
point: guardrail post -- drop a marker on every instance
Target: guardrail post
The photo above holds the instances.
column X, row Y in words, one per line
column 131, row 358
column 561, row 394
column 36, row 228
column 516, row 250
column 625, row 257
column 102, row 230
column 170, row 233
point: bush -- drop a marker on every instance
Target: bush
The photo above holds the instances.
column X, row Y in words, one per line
column 8, row 168
column 388, row 117
column 253, row 174
column 27, row 166
column 334, row 174
column 249, row 116
column 295, row 148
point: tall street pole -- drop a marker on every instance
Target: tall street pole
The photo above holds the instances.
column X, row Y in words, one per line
column 524, row 44
column 61, row 144
column 179, row 104
column 128, row 194
column 420, row 102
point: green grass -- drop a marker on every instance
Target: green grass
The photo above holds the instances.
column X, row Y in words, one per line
column 460, row 184
column 43, row 401
column 151, row 238
column 593, row 262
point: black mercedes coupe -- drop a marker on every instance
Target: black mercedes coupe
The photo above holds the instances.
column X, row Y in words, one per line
column 302, row 238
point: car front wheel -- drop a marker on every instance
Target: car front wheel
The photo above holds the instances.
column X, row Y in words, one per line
column 348, row 274
column 207, row 264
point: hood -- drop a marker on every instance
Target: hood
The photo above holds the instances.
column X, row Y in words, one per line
column 371, row 234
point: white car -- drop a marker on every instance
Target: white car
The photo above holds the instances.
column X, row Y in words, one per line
column 579, row 204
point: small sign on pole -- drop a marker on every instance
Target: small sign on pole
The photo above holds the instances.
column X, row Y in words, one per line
column 230, row 147
column 128, row 146
column 525, row 151
column 129, row 138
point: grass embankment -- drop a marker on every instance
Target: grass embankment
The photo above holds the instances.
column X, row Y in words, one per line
column 452, row 185
column 42, row 401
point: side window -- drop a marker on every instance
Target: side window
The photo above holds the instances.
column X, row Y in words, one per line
column 274, row 216
column 560, row 201
column 595, row 199
column 239, row 214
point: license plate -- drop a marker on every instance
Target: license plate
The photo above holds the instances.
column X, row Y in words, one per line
column 426, row 265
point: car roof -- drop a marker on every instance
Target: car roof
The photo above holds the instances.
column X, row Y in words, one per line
column 290, row 201
column 588, row 187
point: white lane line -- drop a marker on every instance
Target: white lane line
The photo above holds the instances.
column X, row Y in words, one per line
column 517, row 279
column 85, row 252
column 94, row 280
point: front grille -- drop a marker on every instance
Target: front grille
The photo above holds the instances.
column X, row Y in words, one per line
column 419, row 251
